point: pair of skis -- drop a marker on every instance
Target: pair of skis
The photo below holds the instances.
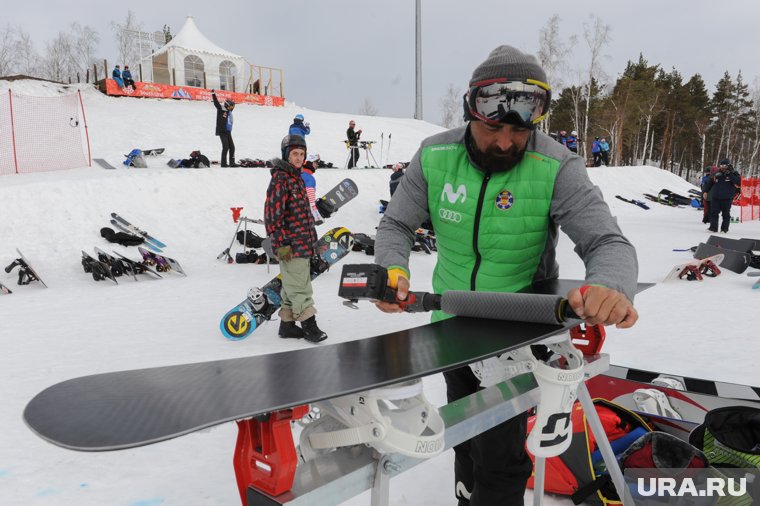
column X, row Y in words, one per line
column 125, row 226
column 633, row 201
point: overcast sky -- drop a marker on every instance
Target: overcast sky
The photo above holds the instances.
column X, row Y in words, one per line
column 336, row 53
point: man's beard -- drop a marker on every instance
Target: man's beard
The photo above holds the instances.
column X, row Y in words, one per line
column 495, row 159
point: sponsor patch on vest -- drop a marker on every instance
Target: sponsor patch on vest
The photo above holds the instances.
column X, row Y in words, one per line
column 446, row 147
column 449, row 215
column 453, row 196
column 504, row 200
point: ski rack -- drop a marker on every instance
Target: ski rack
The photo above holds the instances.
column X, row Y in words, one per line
column 346, row 472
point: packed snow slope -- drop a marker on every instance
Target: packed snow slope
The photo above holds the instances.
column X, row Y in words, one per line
column 79, row 327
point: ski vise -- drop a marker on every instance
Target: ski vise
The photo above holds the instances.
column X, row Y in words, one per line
column 265, row 455
column 588, row 339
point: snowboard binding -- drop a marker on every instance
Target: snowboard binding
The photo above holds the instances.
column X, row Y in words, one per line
column 97, row 269
column 25, row 274
column 393, row 419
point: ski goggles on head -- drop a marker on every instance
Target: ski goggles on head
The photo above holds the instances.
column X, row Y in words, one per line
column 499, row 100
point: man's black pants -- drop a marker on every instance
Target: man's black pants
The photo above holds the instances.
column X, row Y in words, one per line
column 493, row 467
column 227, row 146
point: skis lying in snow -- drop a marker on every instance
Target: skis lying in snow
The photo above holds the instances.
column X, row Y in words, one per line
column 675, row 404
column 125, row 226
column 633, row 201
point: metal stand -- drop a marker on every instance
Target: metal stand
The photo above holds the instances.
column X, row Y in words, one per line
column 346, row 472
column 367, row 147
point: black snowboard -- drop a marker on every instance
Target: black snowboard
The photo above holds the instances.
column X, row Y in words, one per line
column 134, row 408
column 743, row 245
column 735, row 261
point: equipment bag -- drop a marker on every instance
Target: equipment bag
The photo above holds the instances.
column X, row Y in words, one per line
column 730, row 437
column 250, row 239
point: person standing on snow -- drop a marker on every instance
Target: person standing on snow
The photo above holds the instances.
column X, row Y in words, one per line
column 596, row 152
column 706, row 173
column 605, row 147
column 572, row 142
column 307, row 174
column 290, row 226
column 722, row 188
column 224, row 128
column 299, row 127
column 497, row 190
column 353, row 143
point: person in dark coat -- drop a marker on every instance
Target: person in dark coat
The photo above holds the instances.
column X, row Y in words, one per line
column 353, row 143
column 290, row 226
column 224, row 128
column 398, row 173
column 116, row 76
column 299, row 126
column 706, row 174
column 722, row 188
column 127, row 77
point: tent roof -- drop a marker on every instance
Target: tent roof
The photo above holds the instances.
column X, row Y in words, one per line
column 191, row 39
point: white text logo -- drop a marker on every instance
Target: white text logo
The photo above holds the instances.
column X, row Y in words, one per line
column 710, row 488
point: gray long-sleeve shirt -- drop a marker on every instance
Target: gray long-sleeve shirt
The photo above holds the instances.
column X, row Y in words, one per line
column 577, row 206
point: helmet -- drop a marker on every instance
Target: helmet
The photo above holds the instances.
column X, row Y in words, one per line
column 229, row 104
column 299, row 117
column 596, row 138
column 725, row 161
column 574, row 133
column 289, row 142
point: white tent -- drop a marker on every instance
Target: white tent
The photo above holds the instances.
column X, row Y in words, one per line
column 190, row 59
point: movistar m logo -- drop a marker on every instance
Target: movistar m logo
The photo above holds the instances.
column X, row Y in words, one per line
column 453, row 196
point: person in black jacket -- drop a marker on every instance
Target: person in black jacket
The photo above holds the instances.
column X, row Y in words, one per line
column 224, row 128
column 353, row 142
column 398, row 173
column 722, row 187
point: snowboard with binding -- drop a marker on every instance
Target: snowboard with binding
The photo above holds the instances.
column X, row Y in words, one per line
column 137, row 267
column 733, row 260
column 99, row 270
column 742, row 245
column 129, row 409
column 694, row 270
column 160, row 262
column 340, row 195
column 260, row 304
column 674, row 403
column 153, row 152
column 26, row 273
column 118, row 268
column 4, row 290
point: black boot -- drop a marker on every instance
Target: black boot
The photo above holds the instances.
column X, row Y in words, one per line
column 290, row 329
column 232, row 162
column 311, row 332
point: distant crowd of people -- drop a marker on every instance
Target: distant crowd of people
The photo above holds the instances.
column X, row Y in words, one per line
column 600, row 148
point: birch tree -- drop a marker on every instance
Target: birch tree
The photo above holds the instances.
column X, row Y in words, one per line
column 452, row 115
column 597, row 35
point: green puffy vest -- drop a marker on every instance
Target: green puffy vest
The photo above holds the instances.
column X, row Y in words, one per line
column 491, row 229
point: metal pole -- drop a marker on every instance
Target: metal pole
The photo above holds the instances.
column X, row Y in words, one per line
column 418, row 60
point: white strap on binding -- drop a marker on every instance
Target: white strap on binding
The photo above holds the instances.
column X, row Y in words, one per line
column 654, row 402
column 394, row 419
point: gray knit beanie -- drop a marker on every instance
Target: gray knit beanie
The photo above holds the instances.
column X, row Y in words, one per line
column 508, row 62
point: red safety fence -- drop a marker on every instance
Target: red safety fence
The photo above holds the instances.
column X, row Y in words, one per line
column 39, row 134
column 749, row 199
column 154, row 90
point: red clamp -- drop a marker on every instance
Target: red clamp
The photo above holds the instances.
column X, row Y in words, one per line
column 265, row 455
column 235, row 213
column 589, row 339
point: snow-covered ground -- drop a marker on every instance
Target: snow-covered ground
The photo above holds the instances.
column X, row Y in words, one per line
column 79, row 327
